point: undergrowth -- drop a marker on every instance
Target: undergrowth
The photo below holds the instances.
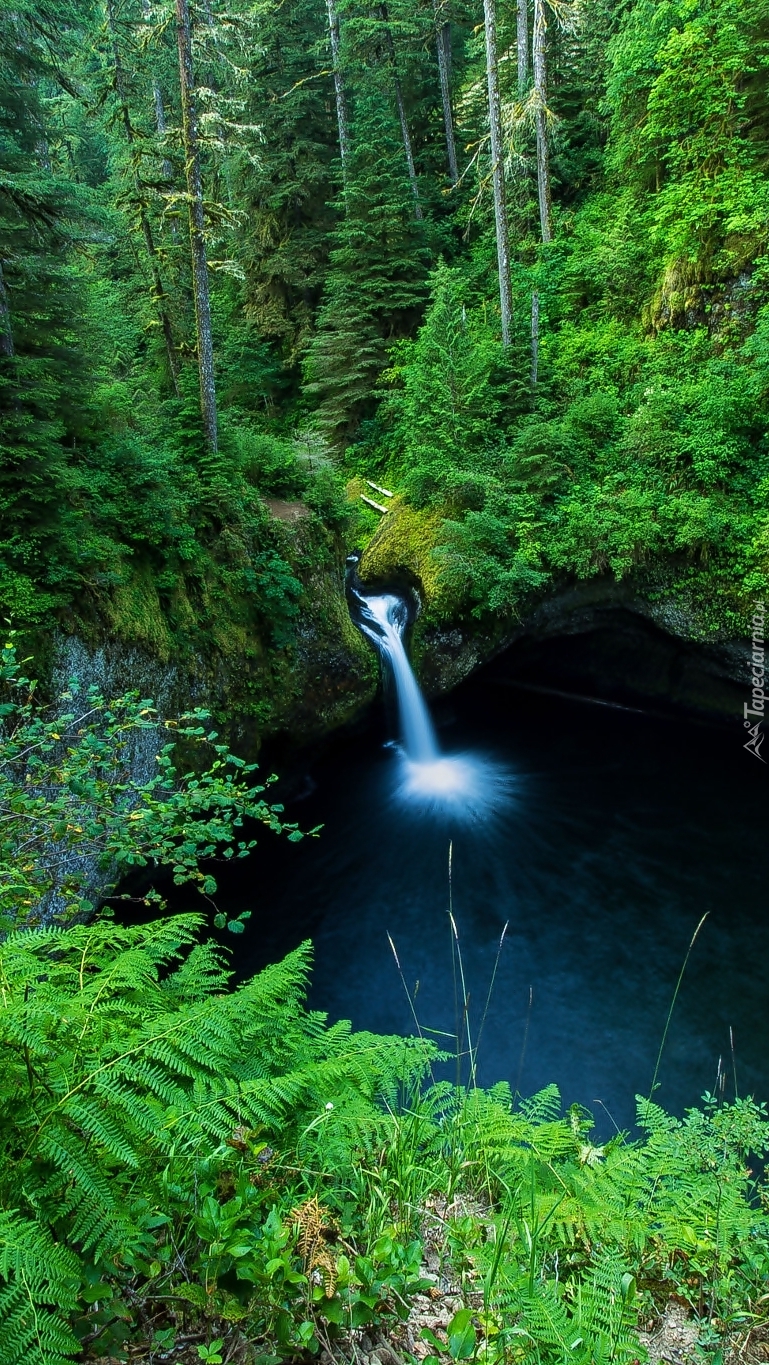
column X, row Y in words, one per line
column 179, row 1153
column 186, row 1164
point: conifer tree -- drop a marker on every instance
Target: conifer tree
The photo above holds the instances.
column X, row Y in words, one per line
column 539, row 67
column 45, row 411
column 376, row 282
column 443, row 47
column 286, row 183
column 401, row 107
column 158, row 291
column 157, row 101
column 342, row 118
column 498, row 173
column 200, row 284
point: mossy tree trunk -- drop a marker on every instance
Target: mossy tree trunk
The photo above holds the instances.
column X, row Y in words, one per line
column 190, row 133
column 443, row 45
column 539, row 65
column 6, row 329
column 498, row 173
column 158, row 292
column 522, row 35
column 342, row 119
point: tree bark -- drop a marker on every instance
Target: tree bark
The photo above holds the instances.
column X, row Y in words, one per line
column 202, row 297
column 523, row 47
column 157, row 103
column 160, row 124
column 6, row 329
column 443, row 44
column 405, row 134
column 158, row 292
column 539, row 63
column 498, row 173
column 341, row 99
column 407, row 144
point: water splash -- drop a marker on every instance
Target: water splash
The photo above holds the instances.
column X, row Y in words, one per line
column 466, row 786
column 469, row 788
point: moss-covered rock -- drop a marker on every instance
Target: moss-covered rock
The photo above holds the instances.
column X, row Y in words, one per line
column 209, row 643
column 405, row 542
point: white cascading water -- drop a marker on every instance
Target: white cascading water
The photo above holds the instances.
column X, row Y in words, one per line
column 384, row 620
column 465, row 784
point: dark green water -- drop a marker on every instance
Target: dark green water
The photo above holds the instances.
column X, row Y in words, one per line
column 622, row 830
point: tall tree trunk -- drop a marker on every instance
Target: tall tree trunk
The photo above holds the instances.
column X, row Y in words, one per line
column 498, row 172
column 407, row 144
column 341, row 99
column 540, row 90
column 6, row 329
column 405, row 134
column 523, row 47
column 197, row 238
column 443, row 44
column 158, row 292
column 157, row 104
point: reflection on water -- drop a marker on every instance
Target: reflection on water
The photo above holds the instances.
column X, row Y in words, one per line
column 610, row 835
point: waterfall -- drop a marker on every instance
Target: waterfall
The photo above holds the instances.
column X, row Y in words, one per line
column 466, row 786
column 384, row 620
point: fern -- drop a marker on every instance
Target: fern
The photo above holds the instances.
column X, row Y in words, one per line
column 591, row 1322
column 139, row 1094
column 38, row 1285
column 126, row 1064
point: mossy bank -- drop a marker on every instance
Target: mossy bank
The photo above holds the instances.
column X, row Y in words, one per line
column 302, row 668
column 651, row 637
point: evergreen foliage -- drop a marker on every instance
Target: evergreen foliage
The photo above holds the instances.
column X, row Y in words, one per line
column 376, row 282
column 288, row 186
column 332, row 296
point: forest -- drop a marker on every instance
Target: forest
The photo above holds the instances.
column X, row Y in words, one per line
column 315, row 256
column 262, row 264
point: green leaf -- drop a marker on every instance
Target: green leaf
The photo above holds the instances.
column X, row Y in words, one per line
column 461, row 1335
column 428, row 1335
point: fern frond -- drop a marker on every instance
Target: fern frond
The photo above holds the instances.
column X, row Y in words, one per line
column 38, row 1284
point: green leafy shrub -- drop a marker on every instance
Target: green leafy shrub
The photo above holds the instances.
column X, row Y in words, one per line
column 448, row 396
column 326, row 495
column 91, row 789
column 269, row 462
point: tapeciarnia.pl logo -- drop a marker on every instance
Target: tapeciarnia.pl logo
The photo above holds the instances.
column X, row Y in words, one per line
column 758, row 699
